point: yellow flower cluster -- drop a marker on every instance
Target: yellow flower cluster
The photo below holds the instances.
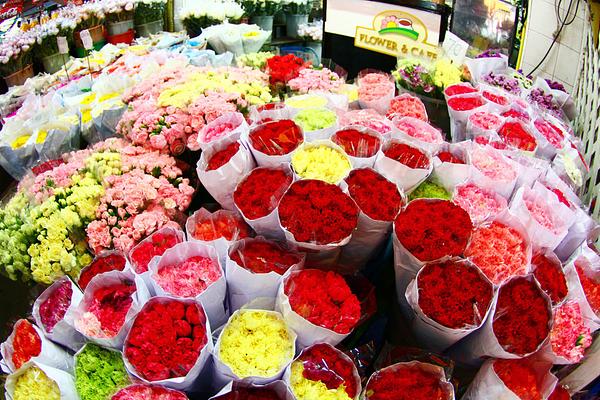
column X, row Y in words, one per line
column 34, row 384
column 306, row 101
column 305, row 389
column 256, row 343
column 321, row 162
column 101, row 165
column 446, row 73
column 197, row 83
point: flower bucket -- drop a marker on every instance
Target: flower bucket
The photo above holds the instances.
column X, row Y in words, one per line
column 150, row 28
column 293, row 22
column 97, row 34
column 126, row 37
column 54, row 62
column 119, row 28
column 265, row 22
column 19, row 77
column 317, row 47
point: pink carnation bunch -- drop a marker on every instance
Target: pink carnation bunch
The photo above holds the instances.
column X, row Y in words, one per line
column 316, row 79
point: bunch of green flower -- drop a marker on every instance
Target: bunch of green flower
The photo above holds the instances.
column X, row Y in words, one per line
column 16, row 235
column 429, row 190
column 99, row 373
column 255, row 60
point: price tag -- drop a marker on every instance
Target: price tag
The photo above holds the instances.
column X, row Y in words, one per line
column 86, row 39
column 455, row 48
column 63, row 45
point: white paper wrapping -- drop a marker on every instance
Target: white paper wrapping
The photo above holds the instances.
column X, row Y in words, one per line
column 288, row 371
column 575, row 289
column 139, row 297
column 188, row 381
column 222, row 374
column 479, row 67
column 431, row 147
column 308, row 333
column 363, row 162
column 265, row 160
column 213, row 297
column 504, row 188
column 64, row 380
column 234, row 118
column 244, row 285
column 540, row 236
column 449, row 175
column 221, row 183
column 50, row 354
column 62, row 333
column 404, row 177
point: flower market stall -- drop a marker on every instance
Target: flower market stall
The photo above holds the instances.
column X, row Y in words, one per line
column 198, row 218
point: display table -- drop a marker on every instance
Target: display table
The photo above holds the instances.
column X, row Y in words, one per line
column 373, row 34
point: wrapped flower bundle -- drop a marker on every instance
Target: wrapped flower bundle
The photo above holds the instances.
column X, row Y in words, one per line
column 367, row 118
column 432, row 229
column 276, row 138
column 449, row 157
column 221, row 224
column 99, row 372
column 305, row 101
column 515, row 134
column 317, row 212
column 242, row 391
column 34, row 384
column 499, row 250
column 429, row 190
column 188, row 278
column 262, row 257
column 315, row 79
column 221, row 157
column 570, row 336
column 323, row 372
column 111, row 261
column 522, row 318
column 409, row 381
column 148, row 392
column 357, row 142
column 260, row 192
column 256, row 343
column 517, row 113
column 495, row 97
column 454, row 294
column 167, row 340
column 377, row 197
column 54, row 308
column 407, row 155
column 481, row 204
column 324, row 299
column 321, row 161
column 406, row 105
column 228, row 124
column 375, row 90
column 465, row 103
column 496, row 172
column 560, row 393
column 315, row 119
column 483, row 121
column 590, row 282
column 419, row 130
column 548, row 271
column 459, row 88
column 26, row 343
column 154, row 246
column 553, row 134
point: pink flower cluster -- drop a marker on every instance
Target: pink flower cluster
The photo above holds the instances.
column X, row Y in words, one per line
column 481, row 204
column 491, row 164
column 190, row 278
column 485, row 120
column 542, row 213
column 419, row 130
column 367, row 118
column 374, row 86
column 135, row 205
column 315, row 79
column 214, row 132
column 570, row 337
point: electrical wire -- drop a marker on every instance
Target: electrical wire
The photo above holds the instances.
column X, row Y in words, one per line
column 557, row 34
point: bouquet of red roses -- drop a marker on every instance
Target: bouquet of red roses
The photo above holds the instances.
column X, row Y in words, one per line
column 519, row 323
column 169, row 343
column 319, row 306
column 218, row 229
column 148, row 392
column 221, row 167
column 360, row 144
column 448, row 301
column 27, row 343
column 246, row 391
column 322, row 371
column 192, row 270
column 318, row 217
column 255, row 269
column 272, row 143
column 451, row 165
column 379, row 201
column 154, row 246
column 105, row 262
column 428, row 230
column 257, row 197
column 50, row 309
column 523, row 379
column 404, row 164
column 110, row 302
column 413, row 380
column 582, row 271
